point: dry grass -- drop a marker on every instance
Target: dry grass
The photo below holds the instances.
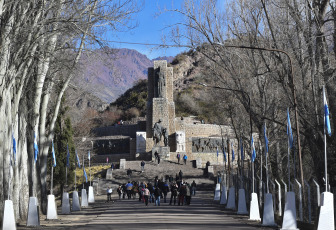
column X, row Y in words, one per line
column 96, row 172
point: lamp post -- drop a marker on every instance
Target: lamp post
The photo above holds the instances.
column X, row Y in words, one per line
column 292, row 88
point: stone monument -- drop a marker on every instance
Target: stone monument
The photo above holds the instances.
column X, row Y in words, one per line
column 140, row 142
column 160, row 122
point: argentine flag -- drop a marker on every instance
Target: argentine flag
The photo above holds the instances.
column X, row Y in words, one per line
column 326, row 114
column 253, row 150
column 14, row 148
column 289, row 130
column 53, row 153
column 77, row 158
column 266, row 140
column 217, row 151
column 68, row 157
column 85, row 174
column 35, row 148
column 233, row 155
column 224, row 155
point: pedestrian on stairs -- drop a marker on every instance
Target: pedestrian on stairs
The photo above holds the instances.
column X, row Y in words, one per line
column 142, row 166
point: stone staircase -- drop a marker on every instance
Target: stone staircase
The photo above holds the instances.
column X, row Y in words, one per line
column 152, row 169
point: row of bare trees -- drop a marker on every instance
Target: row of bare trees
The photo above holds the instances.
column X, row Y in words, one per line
column 297, row 43
column 41, row 43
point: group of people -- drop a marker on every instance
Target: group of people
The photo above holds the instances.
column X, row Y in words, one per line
column 180, row 191
column 185, row 157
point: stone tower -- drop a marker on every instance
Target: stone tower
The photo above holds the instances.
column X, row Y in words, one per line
column 160, row 103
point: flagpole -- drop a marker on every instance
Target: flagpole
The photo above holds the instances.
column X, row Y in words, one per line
column 325, row 141
column 75, row 179
column 83, row 171
column 52, row 178
column 66, row 176
column 266, row 171
column 288, row 166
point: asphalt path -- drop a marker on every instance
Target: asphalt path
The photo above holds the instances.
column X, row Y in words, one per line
column 203, row 213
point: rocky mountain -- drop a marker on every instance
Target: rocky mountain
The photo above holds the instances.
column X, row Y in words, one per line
column 108, row 73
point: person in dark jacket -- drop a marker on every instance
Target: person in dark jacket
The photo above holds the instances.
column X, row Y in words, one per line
column 173, row 189
column 165, row 190
column 182, row 194
column 180, row 175
column 158, row 195
column 193, row 188
column 188, row 193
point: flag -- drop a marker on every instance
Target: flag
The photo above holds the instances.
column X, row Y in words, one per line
column 35, row 148
column 266, row 140
column 253, row 150
column 53, row 153
column 68, row 157
column 14, row 148
column 224, row 155
column 289, row 130
column 217, row 151
column 326, row 114
column 233, row 155
column 89, row 155
column 242, row 150
column 85, row 174
column 77, row 158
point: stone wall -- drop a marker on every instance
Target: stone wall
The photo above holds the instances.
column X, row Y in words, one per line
column 120, row 130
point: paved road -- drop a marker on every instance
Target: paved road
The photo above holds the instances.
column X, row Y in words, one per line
column 203, row 213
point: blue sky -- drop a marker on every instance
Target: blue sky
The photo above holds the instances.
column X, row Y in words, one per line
column 150, row 29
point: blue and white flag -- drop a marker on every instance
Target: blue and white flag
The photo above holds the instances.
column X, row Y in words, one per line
column 224, row 155
column 89, row 155
column 35, row 148
column 289, row 130
column 68, row 157
column 14, row 148
column 78, row 162
column 85, row 174
column 266, row 140
column 233, row 155
column 242, row 150
column 326, row 114
column 253, row 150
column 53, row 153
column 217, row 151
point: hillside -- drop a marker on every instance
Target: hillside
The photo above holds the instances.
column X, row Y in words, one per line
column 112, row 71
column 190, row 68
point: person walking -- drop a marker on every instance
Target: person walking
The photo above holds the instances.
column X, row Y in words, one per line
column 185, row 159
column 180, row 175
column 173, row 189
column 109, row 193
column 165, row 191
column 182, row 194
column 193, row 188
column 119, row 191
column 158, row 195
column 142, row 166
column 129, row 187
column 158, row 159
column 178, row 156
column 146, row 195
column 129, row 173
column 188, row 193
